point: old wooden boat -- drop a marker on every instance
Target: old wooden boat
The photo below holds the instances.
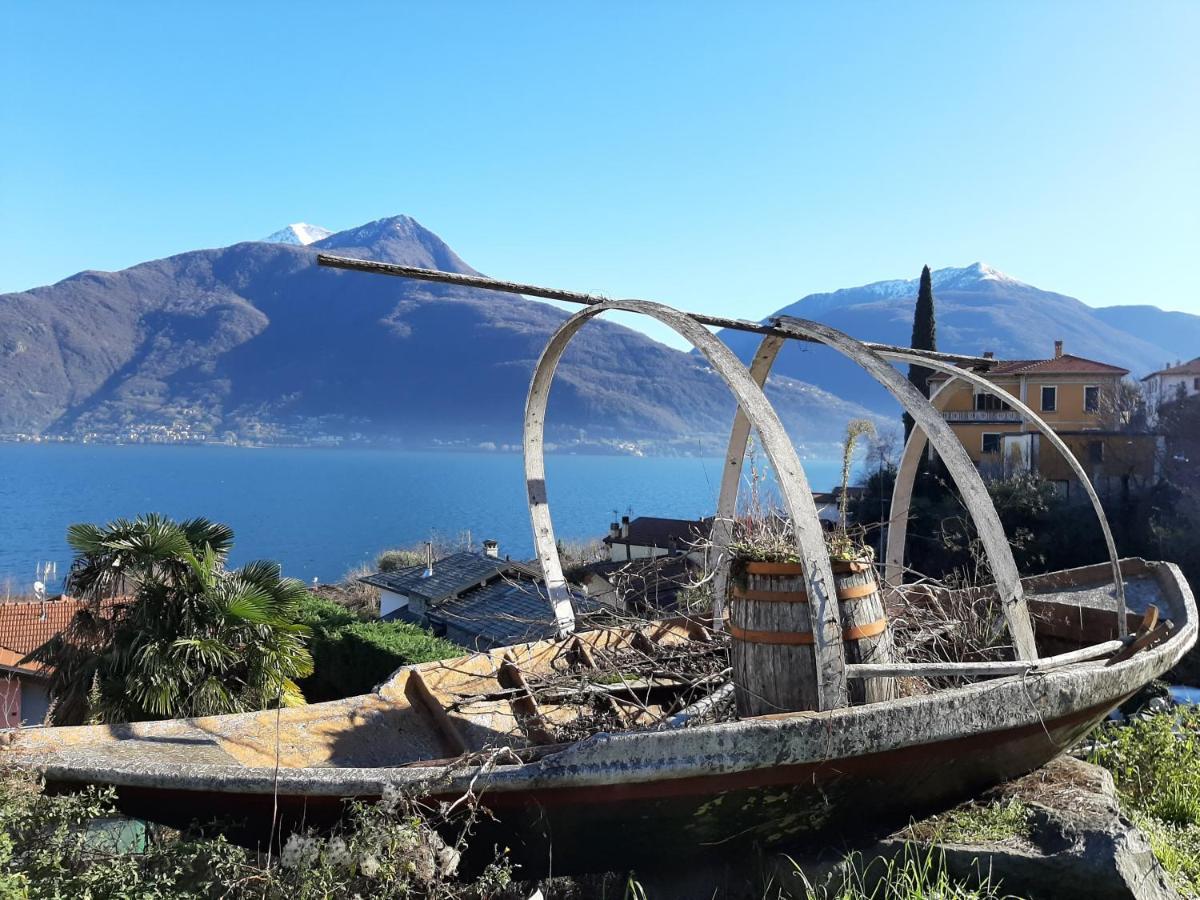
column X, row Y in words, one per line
column 433, row 731
column 589, row 761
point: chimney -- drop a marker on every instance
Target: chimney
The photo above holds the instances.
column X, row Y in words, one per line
column 428, row 573
column 492, row 549
column 625, row 526
column 614, row 530
column 989, row 354
column 1058, row 349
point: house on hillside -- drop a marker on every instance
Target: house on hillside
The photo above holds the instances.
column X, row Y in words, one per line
column 647, row 586
column 1077, row 398
column 25, row 625
column 478, row 600
column 649, row 536
column 1170, row 383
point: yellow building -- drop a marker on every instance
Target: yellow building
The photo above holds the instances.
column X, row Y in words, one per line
column 1076, row 397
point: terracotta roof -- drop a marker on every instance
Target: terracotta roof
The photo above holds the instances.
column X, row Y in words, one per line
column 1187, row 368
column 27, row 624
column 1067, row 364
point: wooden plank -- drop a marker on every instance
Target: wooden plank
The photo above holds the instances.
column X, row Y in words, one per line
column 419, row 694
column 731, row 480
column 529, row 717
column 983, row 669
column 1151, row 638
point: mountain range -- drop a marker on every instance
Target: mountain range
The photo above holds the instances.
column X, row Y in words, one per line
column 256, row 342
column 978, row 309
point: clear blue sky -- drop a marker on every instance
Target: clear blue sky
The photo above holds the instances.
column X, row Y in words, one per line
column 726, row 157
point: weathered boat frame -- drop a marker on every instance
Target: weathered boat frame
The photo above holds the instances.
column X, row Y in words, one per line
column 438, row 730
column 754, row 410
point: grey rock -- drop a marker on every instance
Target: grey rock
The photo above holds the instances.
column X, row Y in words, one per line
column 1080, row 845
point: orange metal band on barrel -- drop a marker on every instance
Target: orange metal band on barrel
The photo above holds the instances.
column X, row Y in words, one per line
column 795, row 638
column 770, row 596
column 857, row 591
column 858, row 632
column 771, row 568
column 801, row 638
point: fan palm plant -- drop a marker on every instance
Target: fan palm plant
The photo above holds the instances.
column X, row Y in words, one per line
column 169, row 630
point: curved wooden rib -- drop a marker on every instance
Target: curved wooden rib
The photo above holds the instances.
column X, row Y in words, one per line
column 793, row 485
column 906, row 475
column 962, row 470
column 735, row 456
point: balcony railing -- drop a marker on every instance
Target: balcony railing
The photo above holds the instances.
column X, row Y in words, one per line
column 982, row 416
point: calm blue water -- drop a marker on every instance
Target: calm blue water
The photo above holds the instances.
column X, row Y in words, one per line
column 320, row 512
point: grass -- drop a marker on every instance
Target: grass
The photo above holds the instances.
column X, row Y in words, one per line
column 914, row 874
column 1155, row 763
column 977, row 823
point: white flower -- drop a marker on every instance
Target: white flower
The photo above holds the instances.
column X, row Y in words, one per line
column 369, row 866
column 391, row 797
column 300, row 851
column 338, row 853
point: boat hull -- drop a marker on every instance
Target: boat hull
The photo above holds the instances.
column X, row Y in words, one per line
column 580, row 829
column 636, row 797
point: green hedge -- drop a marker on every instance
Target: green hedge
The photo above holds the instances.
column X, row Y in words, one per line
column 352, row 656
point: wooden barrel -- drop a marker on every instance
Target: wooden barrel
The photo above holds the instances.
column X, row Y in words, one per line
column 772, row 651
column 865, row 631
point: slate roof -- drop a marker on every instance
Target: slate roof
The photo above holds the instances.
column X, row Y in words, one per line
column 651, row 531
column 452, row 575
column 500, row 613
column 1187, row 368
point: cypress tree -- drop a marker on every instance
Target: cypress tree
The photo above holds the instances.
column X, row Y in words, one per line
column 924, row 337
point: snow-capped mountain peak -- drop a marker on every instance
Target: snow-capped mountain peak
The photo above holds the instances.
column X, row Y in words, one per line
column 298, row 233
column 947, row 278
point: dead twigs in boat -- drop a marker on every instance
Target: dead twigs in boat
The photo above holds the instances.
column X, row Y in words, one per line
column 638, row 684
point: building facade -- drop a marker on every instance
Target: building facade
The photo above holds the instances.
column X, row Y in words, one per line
column 1076, row 397
column 1171, row 383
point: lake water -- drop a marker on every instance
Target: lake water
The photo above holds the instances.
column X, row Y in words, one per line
column 320, row 512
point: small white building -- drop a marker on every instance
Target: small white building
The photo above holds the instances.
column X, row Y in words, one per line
column 1165, row 385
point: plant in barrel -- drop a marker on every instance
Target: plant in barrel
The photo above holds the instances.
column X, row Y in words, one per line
column 773, row 645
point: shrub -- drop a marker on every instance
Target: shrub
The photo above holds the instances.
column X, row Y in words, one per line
column 351, row 656
column 391, row 560
column 55, row 846
column 1155, row 763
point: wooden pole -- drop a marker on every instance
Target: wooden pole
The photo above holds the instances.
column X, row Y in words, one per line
column 532, row 290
